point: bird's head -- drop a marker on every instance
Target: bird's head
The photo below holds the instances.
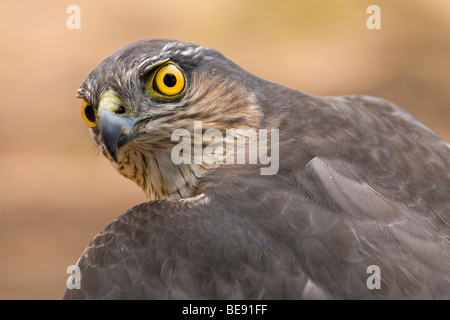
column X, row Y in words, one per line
column 135, row 100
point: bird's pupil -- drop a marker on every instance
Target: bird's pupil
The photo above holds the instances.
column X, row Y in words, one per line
column 170, row 80
column 89, row 113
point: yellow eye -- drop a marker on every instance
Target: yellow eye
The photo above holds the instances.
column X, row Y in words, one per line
column 88, row 114
column 168, row 81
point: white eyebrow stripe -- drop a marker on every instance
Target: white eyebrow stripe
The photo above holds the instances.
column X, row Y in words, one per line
column 190, row 51
column 179, row 49
column 169, row 46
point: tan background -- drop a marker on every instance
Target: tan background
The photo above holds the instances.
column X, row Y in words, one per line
column 57, row 192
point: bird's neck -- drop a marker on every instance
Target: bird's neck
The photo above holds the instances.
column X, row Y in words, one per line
column 173, row 170
column 160, row 177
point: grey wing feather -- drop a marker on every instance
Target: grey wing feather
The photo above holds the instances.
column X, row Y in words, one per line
column 411, row 249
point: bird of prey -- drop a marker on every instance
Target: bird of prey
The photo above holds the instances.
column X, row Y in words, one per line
column 355, row 204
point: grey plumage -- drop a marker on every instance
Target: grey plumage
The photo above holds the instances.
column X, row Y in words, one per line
column 360, row 182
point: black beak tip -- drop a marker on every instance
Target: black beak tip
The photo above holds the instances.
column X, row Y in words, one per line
column 114, row 155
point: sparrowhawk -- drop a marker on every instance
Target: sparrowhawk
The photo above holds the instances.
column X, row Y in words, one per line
column 360, row 190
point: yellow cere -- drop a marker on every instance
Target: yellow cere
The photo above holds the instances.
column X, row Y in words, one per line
column 168, row 81
column 110, row 101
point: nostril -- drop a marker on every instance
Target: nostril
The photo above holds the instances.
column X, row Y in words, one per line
column 120, row 110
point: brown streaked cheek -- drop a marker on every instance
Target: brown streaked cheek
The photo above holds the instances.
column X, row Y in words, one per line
column 219, row 104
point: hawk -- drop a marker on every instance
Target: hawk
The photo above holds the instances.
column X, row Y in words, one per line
column 357, row 204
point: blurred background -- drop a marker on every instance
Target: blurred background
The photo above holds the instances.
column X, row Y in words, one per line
column 57, row 192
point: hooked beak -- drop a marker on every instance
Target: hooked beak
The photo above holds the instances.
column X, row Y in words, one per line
column 116, row 131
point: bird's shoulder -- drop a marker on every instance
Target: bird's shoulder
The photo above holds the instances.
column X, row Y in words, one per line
column 213, row 245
